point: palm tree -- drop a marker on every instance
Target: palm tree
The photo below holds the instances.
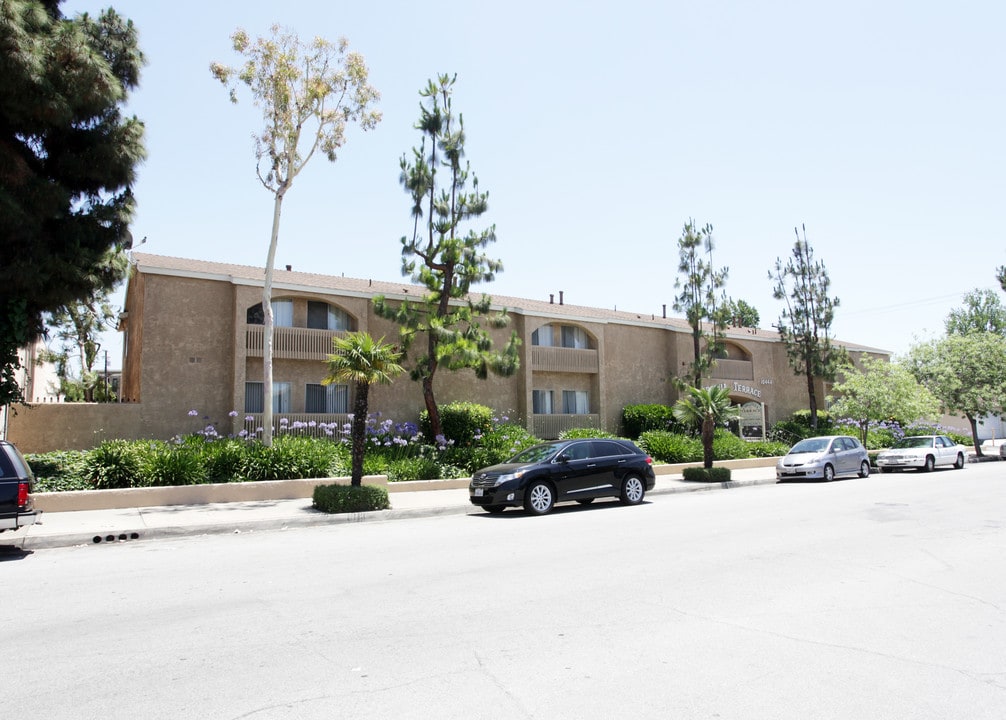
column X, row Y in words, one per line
column 706, row 408
column 362, row 361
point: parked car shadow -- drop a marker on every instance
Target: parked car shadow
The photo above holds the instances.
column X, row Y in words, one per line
column 561, row 509
column 13, row 552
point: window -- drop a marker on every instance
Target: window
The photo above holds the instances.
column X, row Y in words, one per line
column 254, row 392
column 322, row 316
column 327, row 399
column 541, row 402
column 575, row 402
column 567, row 336
column 282, row 314
column 543, row 336
column 574, row 337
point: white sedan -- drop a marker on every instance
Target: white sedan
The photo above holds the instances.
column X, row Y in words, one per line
column 922, row 452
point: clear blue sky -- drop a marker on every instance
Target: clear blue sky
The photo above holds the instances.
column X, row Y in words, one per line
column 599, row 129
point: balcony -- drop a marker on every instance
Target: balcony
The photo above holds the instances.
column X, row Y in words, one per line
column 549, row 427
column 291, row 343
column 733, row 370
column 560, row 359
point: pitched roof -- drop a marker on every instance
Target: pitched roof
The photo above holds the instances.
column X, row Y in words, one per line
column 339, row 284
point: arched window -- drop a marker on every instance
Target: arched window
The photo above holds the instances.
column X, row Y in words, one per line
column 282, row 314
column 322, row 316
column 567, row 336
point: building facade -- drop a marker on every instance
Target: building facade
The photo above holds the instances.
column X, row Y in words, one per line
column 193, row 341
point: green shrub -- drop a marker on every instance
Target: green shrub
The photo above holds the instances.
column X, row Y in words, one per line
column 500, row 444
column 668, row 447
column 797, row 427
column 701, row 474
column 768, row 448
column 727, row 446
column 417, row 468
column 638, row 419
column 576, row 433
column 224, row 460
column 462, row 422
column 165, row 464
column 58, row 471
column 114, row 464
column 350, row 498
column 291, row 456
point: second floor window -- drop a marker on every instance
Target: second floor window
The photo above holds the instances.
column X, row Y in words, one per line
column 322, row 316
column 567, row 336
column 282, row 314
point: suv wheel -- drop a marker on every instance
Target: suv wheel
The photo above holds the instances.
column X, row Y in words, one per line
column 633, row 490
column 539, row 498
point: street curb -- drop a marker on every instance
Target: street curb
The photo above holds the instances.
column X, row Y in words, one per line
column 312, row 518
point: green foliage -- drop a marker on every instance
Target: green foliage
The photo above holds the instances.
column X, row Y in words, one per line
column 461, row 422
column 805, row 323
column 165, row 464
column 350, row 498
column 577, row 433
column 223, row 460
column 798, row 427
column 290, row 456
column 668, row 447
column 58, row 471
column 501, row 443
column 68, row 159
column 447, row 257
column 727, row 446
column 637, row 419
column 417, row 468
column 983, row 311
column 768, row 448
column 703, row 474
column 115, row 464
column 879, row 391
column 701, row 286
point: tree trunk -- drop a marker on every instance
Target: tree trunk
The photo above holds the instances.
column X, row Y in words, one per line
column 431, row 408
column 359, row 432
column 811, row 397
column 267, row 331
column 708, row 429
column 974, row 434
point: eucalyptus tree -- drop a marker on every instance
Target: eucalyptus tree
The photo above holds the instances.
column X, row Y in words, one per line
column 445, row 257
column 805, row 321
column 308, row 94
column 363, row 361
column 879, row 390
column 68, row 156
column 705, row 408
column 701, row 285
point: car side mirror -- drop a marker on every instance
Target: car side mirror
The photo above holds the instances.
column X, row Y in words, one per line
column 563, row 458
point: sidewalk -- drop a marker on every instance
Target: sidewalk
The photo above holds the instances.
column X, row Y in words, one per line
column 99, row 527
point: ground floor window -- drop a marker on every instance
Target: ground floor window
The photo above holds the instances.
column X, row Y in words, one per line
column 254, row 397
column 326, row 399
column 575, row 402
column 541, row 401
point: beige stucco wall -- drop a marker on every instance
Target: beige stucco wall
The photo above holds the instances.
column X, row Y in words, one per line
column 185, row 349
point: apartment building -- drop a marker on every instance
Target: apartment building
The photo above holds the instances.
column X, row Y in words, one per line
column 193, row 341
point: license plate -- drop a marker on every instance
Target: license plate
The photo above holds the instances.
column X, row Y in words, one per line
column 479, row 492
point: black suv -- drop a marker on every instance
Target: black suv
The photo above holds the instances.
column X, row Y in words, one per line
column 552, row 472
column 16, row 480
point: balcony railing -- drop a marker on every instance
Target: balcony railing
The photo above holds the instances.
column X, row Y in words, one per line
column 291, row 343
column 733, row 370
column 560, row 359
column 549, row 427
column 308, row 424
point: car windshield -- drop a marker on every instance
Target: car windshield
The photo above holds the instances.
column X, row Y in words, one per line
column 914, row 442
column 811, row 445
column 535, row 454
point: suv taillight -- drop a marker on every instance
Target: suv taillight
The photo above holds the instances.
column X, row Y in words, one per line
column 22, row 493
